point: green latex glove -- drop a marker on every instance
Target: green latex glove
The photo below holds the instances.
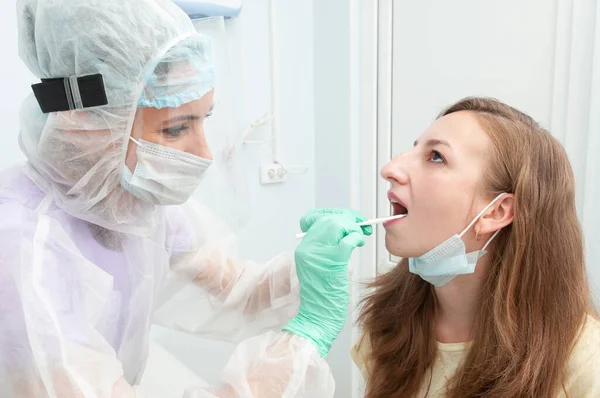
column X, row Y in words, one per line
column 322, row 267
column 309, row 218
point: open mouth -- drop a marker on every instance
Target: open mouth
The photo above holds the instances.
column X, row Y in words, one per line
column 397, row 208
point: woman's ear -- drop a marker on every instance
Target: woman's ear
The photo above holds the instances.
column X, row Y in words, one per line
column 498, row 216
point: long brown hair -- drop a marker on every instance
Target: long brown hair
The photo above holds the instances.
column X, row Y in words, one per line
column 535, row 296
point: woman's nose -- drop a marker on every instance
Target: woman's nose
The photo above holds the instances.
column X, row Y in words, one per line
column 396, row 170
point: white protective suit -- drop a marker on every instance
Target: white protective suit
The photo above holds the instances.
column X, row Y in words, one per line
column 86, row 267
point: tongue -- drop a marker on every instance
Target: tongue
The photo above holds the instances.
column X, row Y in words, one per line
column 399, row 209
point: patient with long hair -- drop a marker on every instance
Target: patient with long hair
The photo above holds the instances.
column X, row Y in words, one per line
column 491, row 297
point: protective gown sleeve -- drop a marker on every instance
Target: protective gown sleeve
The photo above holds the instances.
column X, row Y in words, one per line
column 211, row 293
column 272, row 365
column 242, row 300
column 52, row 303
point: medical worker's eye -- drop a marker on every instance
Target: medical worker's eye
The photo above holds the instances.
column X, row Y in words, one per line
column 175, row 132
column 436, row 157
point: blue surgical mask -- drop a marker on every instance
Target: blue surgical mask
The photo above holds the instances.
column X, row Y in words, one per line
column 163, row 175
column 449, row 259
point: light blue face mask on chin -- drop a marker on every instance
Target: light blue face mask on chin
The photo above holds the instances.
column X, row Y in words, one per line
column 449, row 259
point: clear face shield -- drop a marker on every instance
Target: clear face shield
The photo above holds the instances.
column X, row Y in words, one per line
column 227, row 192
column 182, row 146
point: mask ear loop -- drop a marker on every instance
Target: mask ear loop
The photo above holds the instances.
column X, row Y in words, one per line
column 136, row 141
column 139, row 144
column 480, row 214
column 490, row 240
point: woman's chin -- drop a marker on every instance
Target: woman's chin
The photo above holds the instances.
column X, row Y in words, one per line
column 394, row 246
column 402, row 248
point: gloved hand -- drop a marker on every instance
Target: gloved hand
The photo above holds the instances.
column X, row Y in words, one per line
column 322, row 267
column 309, row 218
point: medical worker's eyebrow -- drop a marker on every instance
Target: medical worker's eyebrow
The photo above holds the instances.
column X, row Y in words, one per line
column 182, row 118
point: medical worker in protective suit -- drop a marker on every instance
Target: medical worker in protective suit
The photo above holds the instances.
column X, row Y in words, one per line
column 98, row 243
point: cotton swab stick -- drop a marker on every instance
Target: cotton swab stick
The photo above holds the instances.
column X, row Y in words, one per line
column 369, row 222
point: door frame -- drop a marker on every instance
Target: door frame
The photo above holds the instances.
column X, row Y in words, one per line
column 371, row 100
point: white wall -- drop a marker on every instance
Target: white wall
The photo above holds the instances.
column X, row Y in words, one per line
column 17, row 79
column 445, row 51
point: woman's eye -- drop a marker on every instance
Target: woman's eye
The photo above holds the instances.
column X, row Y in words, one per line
column 175, row 131
column 436, row 157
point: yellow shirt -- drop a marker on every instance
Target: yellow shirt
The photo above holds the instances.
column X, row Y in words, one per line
column 583, row 369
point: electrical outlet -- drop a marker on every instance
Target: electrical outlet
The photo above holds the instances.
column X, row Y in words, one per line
column 272, row 173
